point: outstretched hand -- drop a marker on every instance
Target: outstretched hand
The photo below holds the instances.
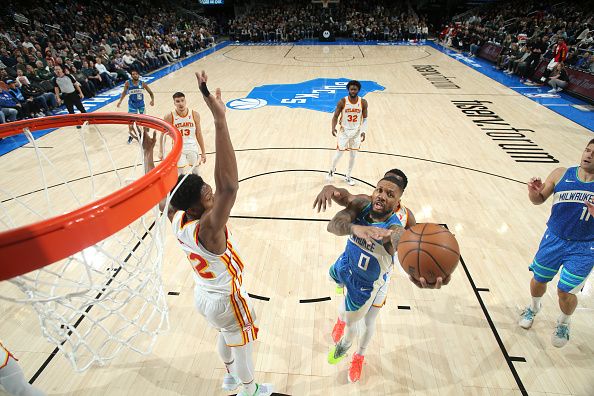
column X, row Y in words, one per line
column 214, row 103
column 324, row 198
column 370, row 233
column 535, row 185
column 148, row 142
column 423, row 284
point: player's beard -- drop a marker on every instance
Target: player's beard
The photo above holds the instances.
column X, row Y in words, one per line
column 381, row 216
column 353, row 96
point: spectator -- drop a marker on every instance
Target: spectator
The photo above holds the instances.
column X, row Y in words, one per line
column 27, row 106
column 45, row 100
column 559, row 78
column 107, row 76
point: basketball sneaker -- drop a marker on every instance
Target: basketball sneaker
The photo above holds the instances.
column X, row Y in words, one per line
column 338, row 330
column 337, row 352
column 261, row 390
column 330, row 175
column 527, row 317
column 356, row 368
column 230, row 382
column 561, row 335
column 349, row 180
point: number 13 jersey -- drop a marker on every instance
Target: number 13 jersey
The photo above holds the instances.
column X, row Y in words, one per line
column 187, row 127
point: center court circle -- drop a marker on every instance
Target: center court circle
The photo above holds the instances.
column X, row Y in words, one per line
column 246, row 103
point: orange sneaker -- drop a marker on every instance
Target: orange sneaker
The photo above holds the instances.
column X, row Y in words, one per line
column 356, row 367
column 338, row 330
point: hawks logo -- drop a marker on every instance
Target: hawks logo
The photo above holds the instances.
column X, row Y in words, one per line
column 320, row 94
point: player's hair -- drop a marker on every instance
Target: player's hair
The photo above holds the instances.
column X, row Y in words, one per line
column 394, row 180
column 400, row 174
column 591, row 142
column 355, row 83
column 134, row 70
column 178, row 95
column 188, row 193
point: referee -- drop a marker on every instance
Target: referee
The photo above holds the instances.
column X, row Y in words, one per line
column 70, row 88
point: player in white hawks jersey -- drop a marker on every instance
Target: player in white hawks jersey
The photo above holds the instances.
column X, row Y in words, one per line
column 12, row 378
column 188, row 123
column 199, row 219
column 351, row 115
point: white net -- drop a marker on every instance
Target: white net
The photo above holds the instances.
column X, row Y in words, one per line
column 109, row 296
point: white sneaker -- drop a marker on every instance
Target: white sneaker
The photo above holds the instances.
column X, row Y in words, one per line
column 527, row 317
column 559, row 89
column 230, row 382
column 561, row 335
column 330, row 175
column 261, row 390
column 349, row 180
column 552, row 90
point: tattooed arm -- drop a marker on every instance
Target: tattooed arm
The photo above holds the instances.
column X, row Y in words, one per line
column 342, row 223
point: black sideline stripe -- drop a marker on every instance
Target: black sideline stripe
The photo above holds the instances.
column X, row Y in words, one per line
column 483, row 289
column 517, row 359
column 406, row 307
column 257, row 297
column 173, row 294
column 314, row 300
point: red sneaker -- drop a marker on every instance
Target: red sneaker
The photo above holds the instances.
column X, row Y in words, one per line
column 356, row 367
column 338, row 330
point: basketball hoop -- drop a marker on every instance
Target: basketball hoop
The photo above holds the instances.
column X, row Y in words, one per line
column 100, row 262
column 325, row 3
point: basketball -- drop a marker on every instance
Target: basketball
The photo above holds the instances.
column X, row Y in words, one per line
column 429, row 251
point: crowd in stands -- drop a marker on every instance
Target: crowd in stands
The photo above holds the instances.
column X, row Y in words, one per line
column 97, row 48
column 528, row 32
column 285, row 21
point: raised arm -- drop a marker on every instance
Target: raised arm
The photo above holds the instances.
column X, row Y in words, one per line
column 342, row 223
column 213, row 222
column 169, row 119
column 539, row 192
column 199, row 136
column 339, row 107
column 341, row 196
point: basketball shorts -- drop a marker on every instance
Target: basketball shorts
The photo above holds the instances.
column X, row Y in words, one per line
column 232, row 315
column 359, row 293
column 348, row 139
column 187, row 160
column 135, row 110
column 576, row 258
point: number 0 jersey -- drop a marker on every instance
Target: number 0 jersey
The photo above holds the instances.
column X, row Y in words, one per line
column 352, row 114
column 212, row 272
column 187, row 127
column 570, row 218
column 370, row 262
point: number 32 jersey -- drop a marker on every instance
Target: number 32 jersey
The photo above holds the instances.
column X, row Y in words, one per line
column 369, row 262
column 213, row 273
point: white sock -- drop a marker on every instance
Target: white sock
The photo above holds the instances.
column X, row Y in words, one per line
column 244, row 365
column 342, row 311
column 369, row 330
column 225, row 352
column 564, row 318
column 352, row 156
column 535, row 307
column 336, row 158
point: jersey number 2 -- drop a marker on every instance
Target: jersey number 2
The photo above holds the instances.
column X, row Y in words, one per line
column 200, row 266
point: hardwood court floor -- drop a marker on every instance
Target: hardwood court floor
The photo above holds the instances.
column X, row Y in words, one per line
column 458, row 175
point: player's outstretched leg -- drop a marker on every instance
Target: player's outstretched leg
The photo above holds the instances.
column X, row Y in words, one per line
column 230, row 381
column 356, row 366
column 244, row 365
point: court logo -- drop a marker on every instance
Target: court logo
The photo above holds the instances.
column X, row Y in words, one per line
column 246, row 104
column 320, row 94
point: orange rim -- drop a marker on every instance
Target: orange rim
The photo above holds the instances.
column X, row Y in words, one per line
column 27, row 248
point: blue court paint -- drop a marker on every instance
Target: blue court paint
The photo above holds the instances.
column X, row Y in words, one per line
column 106, row 97
column 320, row 94
column 560, row 103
